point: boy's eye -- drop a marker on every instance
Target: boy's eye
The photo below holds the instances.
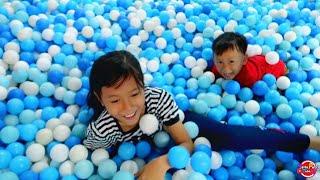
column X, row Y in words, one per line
column 114, row 101
column 135, row 94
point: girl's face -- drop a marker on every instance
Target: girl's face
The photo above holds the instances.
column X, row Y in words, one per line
column 125, row 102
column 230, row 63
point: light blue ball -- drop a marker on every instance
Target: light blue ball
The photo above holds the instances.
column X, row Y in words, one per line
column 220, row 174
column 204, row 82
column 315, row 83
column 285, row 157
column 310, row 113
column 69, row 97
column 71, row 177
column 288, row 127
column 79, row 130
column 200, row 107
column 196, row 176
column 192, row 129
column 161, row 139
column 120, row 175
column 169, row 78
column 27, row 116
column 19, row 164
column 248, row 119
column 298, row 119
column 228, row 158
column 15, row 106
column 272, row 97
column 107, row 168
column 126, row 151
column 49, row 173
column 265, row 108
column 260, row 88
column 83, row 169
column 306, row 63
column 48, row 113
column 47, row 89
column 286, row 174
column 254, row 163
column 235, row 120
column 9, row 134
column 229, row 101
column 212, row 99
column 178, row 157
column 9, row 175
column 5, row 158
column 201, row 162
column 296, row 105
column 245, row 94
column 267, row 174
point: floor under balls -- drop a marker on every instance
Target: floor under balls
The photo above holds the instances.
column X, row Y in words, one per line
column 47, row 49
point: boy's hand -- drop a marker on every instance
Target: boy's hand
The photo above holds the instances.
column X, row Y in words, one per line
column 155, row 169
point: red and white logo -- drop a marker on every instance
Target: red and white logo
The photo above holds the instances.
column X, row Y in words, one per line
column 307, row 169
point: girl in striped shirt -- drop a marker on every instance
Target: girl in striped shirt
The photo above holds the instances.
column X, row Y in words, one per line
column 119, row 99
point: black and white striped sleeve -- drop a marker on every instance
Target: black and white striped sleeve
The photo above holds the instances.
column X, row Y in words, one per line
column 93, row 139
column 167, row 109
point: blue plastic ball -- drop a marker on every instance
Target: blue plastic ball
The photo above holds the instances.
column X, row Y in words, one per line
column 19, row 164
column 201, row 162
column 126, row 150
column 178, row 157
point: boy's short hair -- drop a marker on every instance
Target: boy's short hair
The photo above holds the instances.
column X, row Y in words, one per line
column 229, row 40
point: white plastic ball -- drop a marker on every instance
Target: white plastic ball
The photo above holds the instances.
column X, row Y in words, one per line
column 172, row 23
column 130, row 166
column 272, row 57
column 181, row 115
column 148, row 25
column 181, row 17
column 181, row 174
column 176, row 32
column 202, row 140
column 74, row 84
column 210, row 23
column 317, row 21
column 304, row 49
column 39, row 166
column 48, row 34
column 52, row 5
column 3, row 93
column 35, row 152
column 202, row 63
column 197, row 41
column 44, row 136
column 290, row 36
column 216, row 160
column 283, row 13
column 309, row 130
column 66, row 168
column 278, row 37
column 315, row 100
column 158, row 30
column 135, row 40
column 59, row 93
column 78, row 153
column 99, row 155
column 305, row 30
column 79, row 46
column 59, row 153
column 106, row 32
column 190, row 62
column 67, row 119
column 61, row 132
column 166, row 58
column 12, row 46
column 161, row 43
column 153, row 65
column 274, row 26
column 114, row 15
column 10, row 57
column 24, row 34
column 43, row 64
column 252, row 107
column 175, row 57
column 87, row 31
column 148, row 124
column 316, row 52
column 21, row 65
column 143, row 35
column 75, row 72
column 196, row 71
column 33, row 20
column 147, row 78
column 73, row 109
column 210, row 75
column 135, row 22
column 142, row 14
column 283, row 82
column 92, row 46
column 69, row 38
column 190, row 27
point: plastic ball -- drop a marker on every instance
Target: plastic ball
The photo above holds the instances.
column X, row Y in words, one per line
column 180, row 174
column 308, row 130
column 272, row 57
column 232, row 87
column 216, row 160
column 83, row 169
column 200, row 162
column 9, row 134
column 126, row 151
column 123, row 175
column 252, row 107
column 143, row 149
column 35, row 152
column 315, row 100
column 44, row 136
column 19, row 164
column 78, row 153
column 107, row 168
column 66, row 168
column 59, row 153
column 192, row 129
column 99, row 155
column 5, row 158
column 161, row 139
column 178, row 157
column 148, row 124
column 284, row 111
column 228, row 158
column 283, row 82
column 254, row 163
column 130, row 166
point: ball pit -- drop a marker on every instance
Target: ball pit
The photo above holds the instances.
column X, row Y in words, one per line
column 46, row 50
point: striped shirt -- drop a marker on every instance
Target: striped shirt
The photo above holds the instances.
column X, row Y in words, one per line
column 106, row 131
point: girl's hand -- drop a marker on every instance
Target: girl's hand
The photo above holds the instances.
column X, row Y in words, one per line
column 155, row 169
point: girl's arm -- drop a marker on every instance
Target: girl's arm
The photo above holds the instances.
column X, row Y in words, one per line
column 157, row 168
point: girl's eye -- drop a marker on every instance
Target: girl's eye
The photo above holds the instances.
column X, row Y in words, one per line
column 114, row 101
column 135, row 94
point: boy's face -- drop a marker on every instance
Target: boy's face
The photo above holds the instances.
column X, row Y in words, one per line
column 126, row 102
column 230, row 63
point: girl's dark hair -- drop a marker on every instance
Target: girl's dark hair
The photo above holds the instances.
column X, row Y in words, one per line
column 229, row 40
column 109, row 70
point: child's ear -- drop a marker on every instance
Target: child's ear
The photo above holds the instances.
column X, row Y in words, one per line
column 245, row 60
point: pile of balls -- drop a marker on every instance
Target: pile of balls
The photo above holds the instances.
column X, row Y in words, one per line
column 47, row 49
